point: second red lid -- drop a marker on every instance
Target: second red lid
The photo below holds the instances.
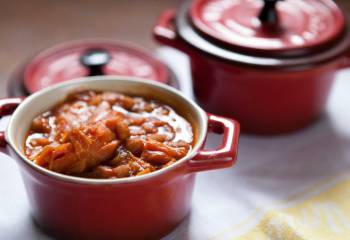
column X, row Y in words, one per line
column 90, row 57
column 272, row 27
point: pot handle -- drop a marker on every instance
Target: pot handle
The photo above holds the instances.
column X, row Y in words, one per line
column 7, row 107
column 226, row 155
column 95, row 60
column 164, row 30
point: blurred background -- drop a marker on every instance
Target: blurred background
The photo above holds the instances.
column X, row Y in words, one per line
column 28, row 26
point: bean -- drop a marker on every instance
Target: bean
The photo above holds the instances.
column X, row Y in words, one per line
column 122, row 171
column 156, row 157
column 135, row 146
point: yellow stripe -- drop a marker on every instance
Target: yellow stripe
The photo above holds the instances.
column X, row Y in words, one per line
column 322, row 217
column 286, row 223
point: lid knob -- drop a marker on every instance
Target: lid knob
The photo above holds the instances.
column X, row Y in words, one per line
column 95, row 60
column 268, row 14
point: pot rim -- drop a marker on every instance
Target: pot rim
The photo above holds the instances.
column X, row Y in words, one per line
column 10, row 131
column 197, row 41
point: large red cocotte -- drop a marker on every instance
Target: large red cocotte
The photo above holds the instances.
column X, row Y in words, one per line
column 270, row 66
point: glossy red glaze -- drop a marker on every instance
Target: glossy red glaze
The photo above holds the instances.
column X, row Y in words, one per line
column 301, row 24
column 164, row 30
column 264, row 101
column 146, row 207
column 61, row 63
column 140, row 210
column 7, row 106
column 222, row 156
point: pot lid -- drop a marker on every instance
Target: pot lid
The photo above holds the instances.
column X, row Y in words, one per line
column 195, row 41
column 269, row 27
column 88, row 58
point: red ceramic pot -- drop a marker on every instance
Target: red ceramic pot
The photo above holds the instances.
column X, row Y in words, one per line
column 272, row 68
column 82, row 58
column 142, row 207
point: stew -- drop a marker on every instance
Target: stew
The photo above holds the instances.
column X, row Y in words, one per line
column 108, row 135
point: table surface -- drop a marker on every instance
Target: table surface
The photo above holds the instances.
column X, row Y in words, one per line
column 217, row 207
